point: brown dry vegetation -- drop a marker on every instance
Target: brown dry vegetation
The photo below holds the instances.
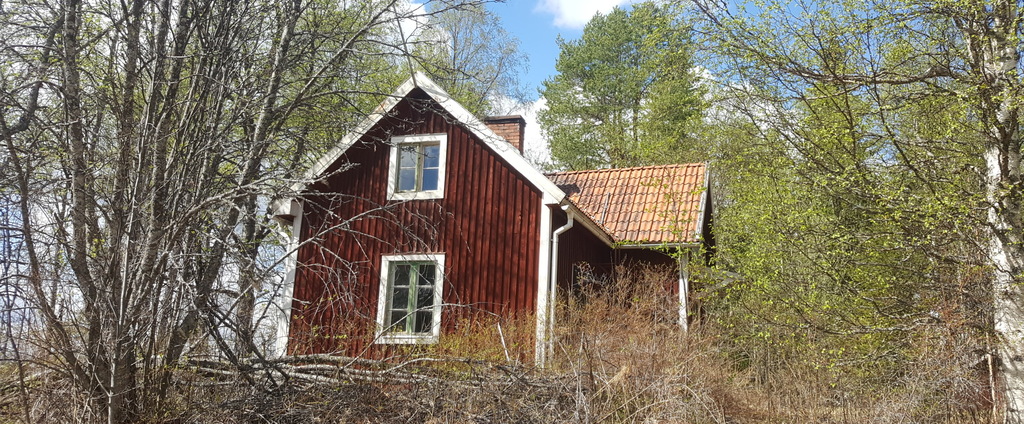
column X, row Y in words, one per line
column 619, row 358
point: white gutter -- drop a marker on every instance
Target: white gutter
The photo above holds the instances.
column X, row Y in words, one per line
column 553, row 280
column 587, row 222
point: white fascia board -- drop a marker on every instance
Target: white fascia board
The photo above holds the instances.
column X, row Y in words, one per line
column 350, row 139
column 704, row 199
column 286, row 210
column 552, row 194
column 589, row 224
column 498, row 145
column 281, row 207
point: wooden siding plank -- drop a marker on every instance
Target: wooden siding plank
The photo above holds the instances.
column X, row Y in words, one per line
column 485, row 225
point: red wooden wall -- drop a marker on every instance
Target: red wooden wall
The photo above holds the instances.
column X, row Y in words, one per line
column 578, row 246
column 575, row 247
column 487, row 226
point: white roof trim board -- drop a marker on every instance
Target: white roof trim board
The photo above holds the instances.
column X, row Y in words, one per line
column 703, row 203
column 549, row 191
column 500, row 147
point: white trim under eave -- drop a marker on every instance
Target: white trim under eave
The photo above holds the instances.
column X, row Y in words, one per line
column 478, row 128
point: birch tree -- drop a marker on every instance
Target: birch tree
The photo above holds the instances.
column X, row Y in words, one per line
column 901, row 57
column 473, row 57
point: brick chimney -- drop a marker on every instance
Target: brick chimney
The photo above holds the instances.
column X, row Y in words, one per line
column 510, row 128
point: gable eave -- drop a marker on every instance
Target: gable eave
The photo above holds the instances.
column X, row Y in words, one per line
column 588, row 222
column 318, row 168
column 549, row 191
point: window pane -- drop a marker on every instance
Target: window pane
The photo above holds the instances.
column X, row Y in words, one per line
column 407, row 156
column 424, row 297
column 426, row 274
column 411, row 304
column 402, row 275
column 431, row 156
column 430, row 179
column 400, row 299
column 424, row 320
column 398, row 321
column 406, row 180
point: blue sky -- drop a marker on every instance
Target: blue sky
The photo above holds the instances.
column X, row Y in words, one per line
column 538, row 23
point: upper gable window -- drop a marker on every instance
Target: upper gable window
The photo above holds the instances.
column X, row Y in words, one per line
column 417, row 167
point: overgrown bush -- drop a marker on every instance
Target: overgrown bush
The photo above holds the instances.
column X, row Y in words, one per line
column 619, row 357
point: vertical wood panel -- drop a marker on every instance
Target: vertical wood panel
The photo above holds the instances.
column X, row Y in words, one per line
column 486, row 226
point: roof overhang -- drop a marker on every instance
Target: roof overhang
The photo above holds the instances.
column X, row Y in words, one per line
column 588, row 222
column 550, row 192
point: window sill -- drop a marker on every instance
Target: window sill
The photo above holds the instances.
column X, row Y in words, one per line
column 406, row 339
column 417, row 195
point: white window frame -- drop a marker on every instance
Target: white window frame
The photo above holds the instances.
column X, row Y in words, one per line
column 396, row 143
column 383, row 296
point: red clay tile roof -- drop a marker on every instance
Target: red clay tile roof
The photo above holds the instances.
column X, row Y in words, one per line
column 651, row 204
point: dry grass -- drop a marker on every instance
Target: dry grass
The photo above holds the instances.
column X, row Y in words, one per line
column 619, row 358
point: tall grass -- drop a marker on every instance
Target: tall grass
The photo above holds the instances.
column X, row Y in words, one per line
column 619, row 357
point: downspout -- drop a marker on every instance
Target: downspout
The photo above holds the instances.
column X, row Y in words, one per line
column 283, row 300
column 543, row 278
column 553, row 275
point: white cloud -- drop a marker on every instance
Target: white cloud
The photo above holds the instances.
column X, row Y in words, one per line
column 575, row 14
column 535, row 146
column 411, row 19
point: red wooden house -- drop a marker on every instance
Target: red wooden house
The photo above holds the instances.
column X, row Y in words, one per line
column 426, row 214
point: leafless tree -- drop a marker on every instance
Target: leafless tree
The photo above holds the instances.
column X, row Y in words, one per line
column 143, row 142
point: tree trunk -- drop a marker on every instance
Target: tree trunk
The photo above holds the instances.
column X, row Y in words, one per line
column 1004, row 254
column 991, row 33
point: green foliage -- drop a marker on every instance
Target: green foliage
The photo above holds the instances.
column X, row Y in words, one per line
column 626, row 93
column 848, row 187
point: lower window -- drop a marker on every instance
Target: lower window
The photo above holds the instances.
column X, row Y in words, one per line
column 409, row 305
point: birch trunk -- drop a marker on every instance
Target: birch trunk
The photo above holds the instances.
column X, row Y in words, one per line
column 991, row 32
